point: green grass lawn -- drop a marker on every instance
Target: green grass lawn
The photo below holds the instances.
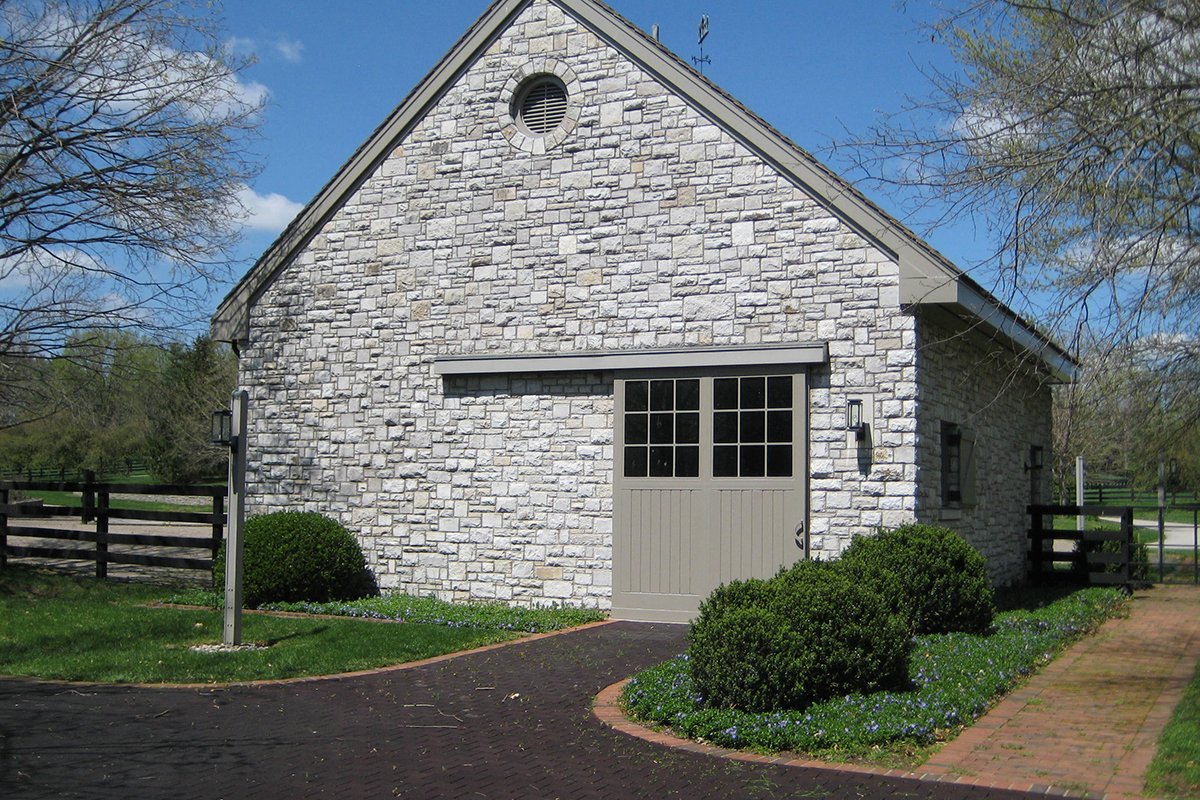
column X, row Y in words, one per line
column 203, row 505
column 1175, row 771
column 60, row 627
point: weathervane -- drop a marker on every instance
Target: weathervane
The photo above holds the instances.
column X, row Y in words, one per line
column 703, row 59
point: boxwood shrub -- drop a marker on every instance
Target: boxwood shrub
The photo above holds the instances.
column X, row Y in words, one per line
column 930, row 575
column 806, row 635
column 291, row 556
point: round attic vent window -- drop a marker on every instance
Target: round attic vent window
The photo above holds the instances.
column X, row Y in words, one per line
column 542, row 105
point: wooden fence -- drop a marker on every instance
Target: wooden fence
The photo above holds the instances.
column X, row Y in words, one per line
column 1079, row 565
column 97, row 509
column 1101, row 493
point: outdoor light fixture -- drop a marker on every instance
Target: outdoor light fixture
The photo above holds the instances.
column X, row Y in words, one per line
column 854, row 418
column 222, row 427
column 1037, row 458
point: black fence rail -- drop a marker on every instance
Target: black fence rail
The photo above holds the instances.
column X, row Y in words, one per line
column 96, row 509
column 1085, row 562
column 1112, row 492
column 62, row 474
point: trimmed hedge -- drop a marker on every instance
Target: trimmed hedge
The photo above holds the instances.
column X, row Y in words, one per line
column 806, row 635
column 292, row 556
column 930, row 575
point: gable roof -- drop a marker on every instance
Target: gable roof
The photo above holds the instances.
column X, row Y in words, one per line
column 926, row 277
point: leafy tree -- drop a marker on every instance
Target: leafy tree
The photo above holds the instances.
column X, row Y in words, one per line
column 197, row 379
column 1071, row 132
column 1130, row 406
column 130, row 399
column 123, row 140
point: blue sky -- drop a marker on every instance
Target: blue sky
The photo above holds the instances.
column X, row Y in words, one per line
column 332, row 72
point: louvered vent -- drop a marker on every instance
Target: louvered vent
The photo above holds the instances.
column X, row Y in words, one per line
column 544, row 107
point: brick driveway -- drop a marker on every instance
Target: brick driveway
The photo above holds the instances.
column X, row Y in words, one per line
column 511, row 722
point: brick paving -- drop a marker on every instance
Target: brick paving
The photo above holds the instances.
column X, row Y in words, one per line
column 516, row 722
column 1093, row 717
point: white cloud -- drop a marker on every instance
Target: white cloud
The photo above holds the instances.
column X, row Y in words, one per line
column 288, row 49
column 291, row 51
column 271, row 212
column 241, row 45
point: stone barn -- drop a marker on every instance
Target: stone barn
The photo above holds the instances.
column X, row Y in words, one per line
column 575, row 326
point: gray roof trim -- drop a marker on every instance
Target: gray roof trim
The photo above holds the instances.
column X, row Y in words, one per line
column 603, row 361
column 1026, row 341
column 925, row 275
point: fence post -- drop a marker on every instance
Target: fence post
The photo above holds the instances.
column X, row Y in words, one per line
column 1035, row 545
column 1162, row 513
column 89, row 496
column 102, row 536
column 1080, row 500
column 1127, row 540
column 3, row 529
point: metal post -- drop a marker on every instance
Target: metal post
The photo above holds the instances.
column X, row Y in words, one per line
column 3, row 529
column 1080, row 522
column 237, row 516
column 1162, row 512
column 101, row 512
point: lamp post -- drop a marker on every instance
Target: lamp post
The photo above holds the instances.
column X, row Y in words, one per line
column 229, row 429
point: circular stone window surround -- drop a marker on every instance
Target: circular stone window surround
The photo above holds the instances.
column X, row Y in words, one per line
column 516, row 83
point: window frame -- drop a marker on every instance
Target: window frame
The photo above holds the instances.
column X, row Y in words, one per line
column 959, row 453
column 706, row 477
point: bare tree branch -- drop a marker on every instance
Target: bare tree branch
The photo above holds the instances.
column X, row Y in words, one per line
column 124, row 134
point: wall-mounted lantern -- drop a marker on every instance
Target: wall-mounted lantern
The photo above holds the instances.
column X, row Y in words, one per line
column 1037, row 458
column 854, row 418
column 222, row 427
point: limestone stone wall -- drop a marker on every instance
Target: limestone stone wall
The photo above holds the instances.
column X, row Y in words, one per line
column 647, row 226
column 970, row 381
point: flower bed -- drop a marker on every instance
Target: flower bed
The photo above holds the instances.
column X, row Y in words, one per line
column 955, row 678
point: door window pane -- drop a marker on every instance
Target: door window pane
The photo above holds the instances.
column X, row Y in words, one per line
column 662, row 429
column 725, row 393
column 779, row 426
column 687, row 462
column 637, row 428
column 636, row 462
column 637, row 395
column 687, row 428
column 662, row 395
column 779, row 461
column 754, row 428
column 753, row 461
column 779, row 391
column 662, row 462
column 687, row 395
column 754, row 392
column 725, row 461
column 725, row 426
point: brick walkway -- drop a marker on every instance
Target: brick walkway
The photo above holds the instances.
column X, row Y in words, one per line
column 1093, row 717
column 1087, row 724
